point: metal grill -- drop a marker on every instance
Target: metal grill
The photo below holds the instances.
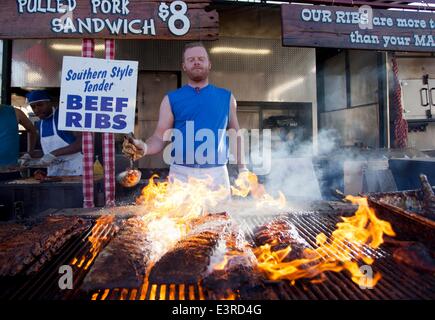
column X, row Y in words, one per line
column 44, row 284
column 152, row 292
column 398, row 282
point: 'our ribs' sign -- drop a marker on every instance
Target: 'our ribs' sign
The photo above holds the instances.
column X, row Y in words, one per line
column 357, row 28
column 120, row 19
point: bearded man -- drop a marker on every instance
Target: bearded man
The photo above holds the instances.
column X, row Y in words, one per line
column 196, row 111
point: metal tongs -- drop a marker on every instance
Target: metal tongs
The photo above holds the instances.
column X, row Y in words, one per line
column 131, row 176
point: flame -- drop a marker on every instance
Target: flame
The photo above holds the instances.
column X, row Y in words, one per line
column 178, row 199
column 170, row 206
column 221, row 265
column 342, row 251
column 229, row 295
column 247, row 183
column 181, row 292
column 97, row 240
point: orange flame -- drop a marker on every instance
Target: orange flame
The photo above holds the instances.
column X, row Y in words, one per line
column 229, row 295
column 341, row 251
column 247, row 183
column 221, row 265
column 97, row 239
column 171, row 206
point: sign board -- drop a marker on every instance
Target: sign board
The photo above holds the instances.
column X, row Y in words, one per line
column 357, row 28
column 97, row 95
column 120, row 19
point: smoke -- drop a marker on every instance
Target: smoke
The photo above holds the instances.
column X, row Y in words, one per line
column 292, row 169
column 302, row 172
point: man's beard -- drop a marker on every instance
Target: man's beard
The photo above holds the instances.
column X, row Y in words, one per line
column 198, row 76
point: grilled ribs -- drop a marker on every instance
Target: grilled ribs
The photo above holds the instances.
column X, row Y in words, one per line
column 188, row 261
column 428, row 198
column 239, row 272
column 415, row 255
column 279, row 234
column 9, row 230
column 124, row 261
column 38, row 244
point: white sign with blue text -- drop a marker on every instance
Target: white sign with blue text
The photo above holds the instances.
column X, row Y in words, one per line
column 98, row 95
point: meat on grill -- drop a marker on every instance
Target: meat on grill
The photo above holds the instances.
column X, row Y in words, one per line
column 239, row 272
column 279, row 234
column 428, row 198
column 9, row 230
column 124, row 261
column 415, row 255
column 38, row 244
column 188, row 261
column 40, row 175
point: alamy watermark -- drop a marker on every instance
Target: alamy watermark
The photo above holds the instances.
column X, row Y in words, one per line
column 366, row 281
column 366, row 17
column 66, row 278
column 205, row 146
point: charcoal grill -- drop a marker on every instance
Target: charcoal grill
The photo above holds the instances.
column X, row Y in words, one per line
column 398, row 281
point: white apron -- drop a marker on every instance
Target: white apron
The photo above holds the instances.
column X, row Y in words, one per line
column 67, row 165
column 219, row 175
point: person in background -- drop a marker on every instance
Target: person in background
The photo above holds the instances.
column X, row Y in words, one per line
column 10, row 118
column 62, row 149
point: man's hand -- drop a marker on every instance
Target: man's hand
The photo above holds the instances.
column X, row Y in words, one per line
column 24, row 159
column 47, row 159
column 134, row 148
column 36, row 153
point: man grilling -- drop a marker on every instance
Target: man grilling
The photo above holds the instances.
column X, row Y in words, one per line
column 189, row 110
column 62, row 149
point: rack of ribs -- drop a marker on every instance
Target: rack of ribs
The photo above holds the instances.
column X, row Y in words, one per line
column 124, row 261
column 188, row 261
column 238, row 274
column 9, row 230
column 428, row 198
column 280, row 233
column 31, row 248
column 413, row 254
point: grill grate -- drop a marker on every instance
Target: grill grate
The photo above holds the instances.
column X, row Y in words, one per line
column 397, row 282
column 44, row 284
column 152, row 292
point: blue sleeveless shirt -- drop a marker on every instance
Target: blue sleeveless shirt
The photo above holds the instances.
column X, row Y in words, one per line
column 9, row 139
column 200, row 121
